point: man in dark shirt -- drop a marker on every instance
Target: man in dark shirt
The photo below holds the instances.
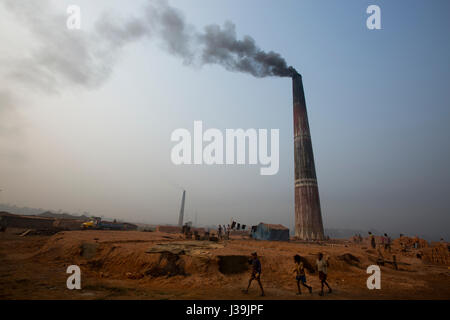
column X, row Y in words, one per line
column 220, row 232
column 372, row 240
column 256, row 273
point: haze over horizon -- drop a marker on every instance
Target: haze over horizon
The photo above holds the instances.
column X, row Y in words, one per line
column 86, row 116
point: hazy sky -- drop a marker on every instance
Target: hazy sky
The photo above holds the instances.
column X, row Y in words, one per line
column 86, row 116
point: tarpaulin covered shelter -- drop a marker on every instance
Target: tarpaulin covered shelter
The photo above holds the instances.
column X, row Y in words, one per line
column 271, row 232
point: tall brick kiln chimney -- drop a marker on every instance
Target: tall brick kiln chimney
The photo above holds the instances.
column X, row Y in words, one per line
column 181, row 216
column 308, row 216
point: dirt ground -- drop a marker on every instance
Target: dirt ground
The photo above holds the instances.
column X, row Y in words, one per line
column 153, row 265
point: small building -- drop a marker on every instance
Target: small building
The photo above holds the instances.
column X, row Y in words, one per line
column 270, row 232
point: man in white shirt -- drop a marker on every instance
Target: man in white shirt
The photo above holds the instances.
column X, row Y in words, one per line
column 322, row 267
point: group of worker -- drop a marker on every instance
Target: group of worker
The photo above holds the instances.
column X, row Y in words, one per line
column 224, row 232
column 386, row 242
column 299, row 271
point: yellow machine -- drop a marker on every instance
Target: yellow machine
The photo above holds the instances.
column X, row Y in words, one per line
column 89, row 225
column 98, row 224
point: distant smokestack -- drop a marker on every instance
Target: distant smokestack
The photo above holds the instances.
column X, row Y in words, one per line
column 308, row 216
column 180, row 219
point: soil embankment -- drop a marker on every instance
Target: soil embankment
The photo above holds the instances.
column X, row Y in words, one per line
column 156, row 265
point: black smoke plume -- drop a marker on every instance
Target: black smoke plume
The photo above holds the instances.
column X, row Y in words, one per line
column 214, row 45
column 86, row 58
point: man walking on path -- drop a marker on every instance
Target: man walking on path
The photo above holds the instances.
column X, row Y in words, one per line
column 300, row 274
column 387, row 243
column 220, row 232
column 372, row 240
column 322, row 267
column 256, row 273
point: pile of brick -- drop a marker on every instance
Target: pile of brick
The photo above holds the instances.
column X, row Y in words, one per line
column 439, row 254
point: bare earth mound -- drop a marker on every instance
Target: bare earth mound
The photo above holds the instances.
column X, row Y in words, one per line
column 155, row 265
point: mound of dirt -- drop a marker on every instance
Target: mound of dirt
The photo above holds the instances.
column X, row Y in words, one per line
column 186, row 247
column 233, row 264
column 169, row 264
column 88, row 250
column 153, row 264
column 167, row 261
column 350, row 259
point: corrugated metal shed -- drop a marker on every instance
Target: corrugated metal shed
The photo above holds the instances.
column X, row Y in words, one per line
column 271, row 232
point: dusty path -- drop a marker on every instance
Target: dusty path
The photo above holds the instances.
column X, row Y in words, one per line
column 135, row 265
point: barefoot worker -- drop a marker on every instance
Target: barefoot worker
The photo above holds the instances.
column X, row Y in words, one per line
column 300, row 274
column 256, row 272
column 220, row 232
column 387, row 243
column 372, row 240
column 322, row 267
